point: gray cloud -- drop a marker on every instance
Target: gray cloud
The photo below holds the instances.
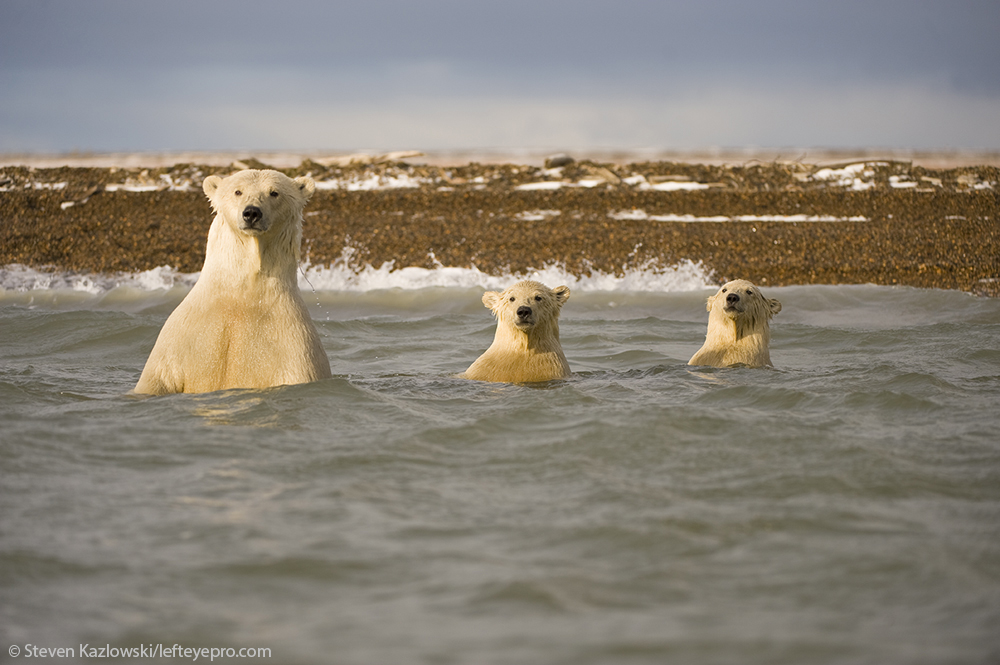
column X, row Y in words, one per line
column 112, row 75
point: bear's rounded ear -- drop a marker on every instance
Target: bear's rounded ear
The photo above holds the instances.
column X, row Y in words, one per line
column 211, row 185
column 490, row 299
column 561, row 293
column 711, row 301
column 774, row 306
column 306, row 185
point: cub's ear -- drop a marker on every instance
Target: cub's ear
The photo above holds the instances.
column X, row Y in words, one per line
column 711, row 301
column 490, row 299
column 561, row 293
column 306, row 185
column 211, row 185
column 774, row 306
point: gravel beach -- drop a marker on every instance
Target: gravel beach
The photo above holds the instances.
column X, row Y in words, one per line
column 776, row 223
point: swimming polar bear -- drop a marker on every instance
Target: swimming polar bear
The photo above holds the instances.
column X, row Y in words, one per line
column 739, row 328
column 244, row 323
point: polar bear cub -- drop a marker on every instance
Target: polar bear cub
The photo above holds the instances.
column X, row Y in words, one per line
column 739, row 329
column 244, row 323
column 526, row 346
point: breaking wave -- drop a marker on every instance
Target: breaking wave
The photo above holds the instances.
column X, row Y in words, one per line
column 345, row 274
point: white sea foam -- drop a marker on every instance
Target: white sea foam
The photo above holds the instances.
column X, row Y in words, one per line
column 346, row 274
column 18, row 278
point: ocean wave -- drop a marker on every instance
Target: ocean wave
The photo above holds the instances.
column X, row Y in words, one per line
column 346, row 274
column 21, row 279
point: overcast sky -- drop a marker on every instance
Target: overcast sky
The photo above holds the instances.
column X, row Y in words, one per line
column 134, row 75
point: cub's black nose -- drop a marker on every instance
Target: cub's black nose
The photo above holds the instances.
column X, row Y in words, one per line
column 732, row 299
column 252, row 215
column 523, row 311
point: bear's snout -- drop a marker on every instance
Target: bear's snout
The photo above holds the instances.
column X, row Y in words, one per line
column 252, row 217
column 523, row 312
column 732, row 299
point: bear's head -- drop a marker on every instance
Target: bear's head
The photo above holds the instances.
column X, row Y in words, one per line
column 527, row 304
column 740, row 299
column 254, row 202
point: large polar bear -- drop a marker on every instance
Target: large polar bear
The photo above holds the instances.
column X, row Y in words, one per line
column 739, row 329
column 526, row 346
column 244, row 324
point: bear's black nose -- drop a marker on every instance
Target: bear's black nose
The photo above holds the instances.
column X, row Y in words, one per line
column 523, row 311
column 252, row 215
column 732, row 299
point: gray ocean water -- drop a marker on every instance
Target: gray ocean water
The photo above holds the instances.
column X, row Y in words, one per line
column 841, row 508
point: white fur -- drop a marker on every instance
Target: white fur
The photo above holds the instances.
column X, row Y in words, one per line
column 244, row 324
column 739, row 333
column 525, row 349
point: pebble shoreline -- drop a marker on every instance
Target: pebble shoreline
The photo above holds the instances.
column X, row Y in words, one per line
column 900, row 225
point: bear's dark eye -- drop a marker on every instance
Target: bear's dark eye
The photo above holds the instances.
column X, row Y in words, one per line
column 723, row 290
column 512, row 298
column 538, row 299
column 749, row 292
column 274, row 194
column 238, row 193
